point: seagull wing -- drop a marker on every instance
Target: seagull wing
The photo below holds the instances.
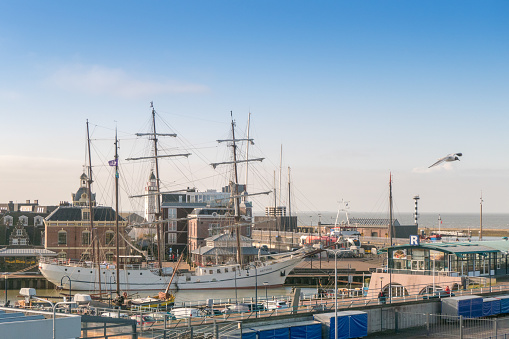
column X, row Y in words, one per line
column 438, row 161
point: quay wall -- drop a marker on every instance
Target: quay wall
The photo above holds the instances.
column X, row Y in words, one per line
column 19, row 281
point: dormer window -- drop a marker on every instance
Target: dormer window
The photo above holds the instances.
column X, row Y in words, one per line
column 85, row 215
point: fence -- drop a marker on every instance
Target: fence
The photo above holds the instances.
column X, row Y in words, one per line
column 443, row 326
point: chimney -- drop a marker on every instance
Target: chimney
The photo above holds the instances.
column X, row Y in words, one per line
column 36, row 202
column 28, row 201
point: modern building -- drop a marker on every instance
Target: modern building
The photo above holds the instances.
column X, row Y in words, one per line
column 68, row 231
column 417, row 269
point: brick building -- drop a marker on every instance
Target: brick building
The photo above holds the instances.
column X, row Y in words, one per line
column 68, row 232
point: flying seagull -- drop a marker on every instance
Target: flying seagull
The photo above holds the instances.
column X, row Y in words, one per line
column 450, row 157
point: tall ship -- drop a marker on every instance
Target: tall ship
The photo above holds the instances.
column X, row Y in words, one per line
column 130, row 273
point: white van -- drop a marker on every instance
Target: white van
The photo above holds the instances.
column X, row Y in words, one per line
column 185, row 312
column 275, row 304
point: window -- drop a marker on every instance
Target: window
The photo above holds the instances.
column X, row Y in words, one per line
column 109, row 256
column 23, row 241
column 214, row 229
column 172, row 238
column 85, row 215
column 109, row 237
column 62, row 238
column 85, row 238
column 62, row 255
column 19, row 232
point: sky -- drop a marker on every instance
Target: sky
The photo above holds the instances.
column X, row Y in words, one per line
column 351, row 91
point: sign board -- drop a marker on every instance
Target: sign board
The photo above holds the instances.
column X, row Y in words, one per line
column 414, row 240
column 399, row 254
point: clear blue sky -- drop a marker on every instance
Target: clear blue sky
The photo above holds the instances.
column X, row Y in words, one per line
column 352, row 89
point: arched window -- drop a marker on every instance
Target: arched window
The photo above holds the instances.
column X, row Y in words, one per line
column 62, row 237
column 109, row 237
column 85, row 238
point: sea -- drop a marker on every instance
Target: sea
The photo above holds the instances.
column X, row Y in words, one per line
column 425, row 220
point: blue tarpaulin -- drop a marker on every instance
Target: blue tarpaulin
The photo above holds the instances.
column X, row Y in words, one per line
column 313, row 331
column 466, row 306
column 279, row 333
column 490, row 306
column 351, row 324
column 343, row 327
column 504, row 303
column 359, row 325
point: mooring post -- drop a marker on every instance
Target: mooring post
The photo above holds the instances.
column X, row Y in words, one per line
column 427, row 324
column 461, row 327
column 396, row 321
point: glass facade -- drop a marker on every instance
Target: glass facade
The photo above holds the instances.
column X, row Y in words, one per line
column 421, row 260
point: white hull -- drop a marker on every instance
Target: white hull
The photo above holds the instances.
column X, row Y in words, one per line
column 273, row 273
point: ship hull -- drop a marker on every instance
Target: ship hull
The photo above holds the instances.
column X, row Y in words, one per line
column 214, row 277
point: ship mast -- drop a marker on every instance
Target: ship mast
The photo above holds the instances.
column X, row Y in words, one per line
column 95, row 235
column 116, row 215
column 158, row 195
column 235, row 189
column 158, row 213
column 236, row 192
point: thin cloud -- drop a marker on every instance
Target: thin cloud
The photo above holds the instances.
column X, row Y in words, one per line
column 443, row 167
column 10, row 95
column 100, row 80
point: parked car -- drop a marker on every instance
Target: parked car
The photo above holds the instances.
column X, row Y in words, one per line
column 186, row 312
column 114, row 315
column 144, row 320
column 159, row 316
column 236, row 308
column 255, row 307
column 211, row 312
column 275, row 304
column 438, row 295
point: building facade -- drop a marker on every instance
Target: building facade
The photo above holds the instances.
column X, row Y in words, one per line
column 68, row 229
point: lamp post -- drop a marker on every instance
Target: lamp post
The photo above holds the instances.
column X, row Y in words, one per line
column 70, row 288
column 111, row 276
column 265, row 283
column 256, row 287
column 54, row 311
column 235, row 278
column 5, row 282
column 335, row 292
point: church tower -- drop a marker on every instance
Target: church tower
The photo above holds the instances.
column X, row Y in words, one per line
column 80, row 198
column 150, row 199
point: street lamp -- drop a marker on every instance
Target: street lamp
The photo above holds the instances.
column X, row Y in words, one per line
column 70, row 288
column 111, row 276
column 256, row 287
column 335, row 291
column 265, row 283
column 54, row 311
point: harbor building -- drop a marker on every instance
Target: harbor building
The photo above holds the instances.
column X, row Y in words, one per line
column 419, row 268
column 222, row 249
column 275, row 219
column 68, row 231
column 179, row 206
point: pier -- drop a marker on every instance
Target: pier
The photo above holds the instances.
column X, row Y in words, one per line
column 16, row 281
